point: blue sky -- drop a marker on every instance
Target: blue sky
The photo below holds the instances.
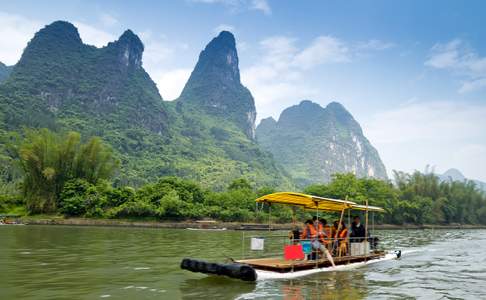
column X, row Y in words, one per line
column 413, row 73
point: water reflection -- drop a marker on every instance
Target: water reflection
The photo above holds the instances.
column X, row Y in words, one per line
column 330, row 285
column 219, row 287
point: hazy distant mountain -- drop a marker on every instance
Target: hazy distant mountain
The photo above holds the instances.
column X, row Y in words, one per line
column 4, row 71
column 456, row 175
column 312, row 143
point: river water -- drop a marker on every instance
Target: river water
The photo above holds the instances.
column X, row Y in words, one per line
column 60, row 262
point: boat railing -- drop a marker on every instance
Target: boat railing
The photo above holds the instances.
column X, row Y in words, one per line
column 273, row 245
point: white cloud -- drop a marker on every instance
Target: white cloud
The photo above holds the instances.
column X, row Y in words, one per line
column 472, row 85
column 240, row 5
column 157, row 50
column 458, row 57
column 261, row 5
column 94, row 36
column 276, row 79
column 278, row 76
column 223, row 27
column 15, row 32
column 108, row 20
column 444, row 134
column 324, row 49
column 157, row 58
column 445, row 56
column 171, row 82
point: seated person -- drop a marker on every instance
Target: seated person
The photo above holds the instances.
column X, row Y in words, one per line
column 334, row 228
column 316, row 238
column 294, row 235
column 343, row 239
column 326, row 232
column 358, row 231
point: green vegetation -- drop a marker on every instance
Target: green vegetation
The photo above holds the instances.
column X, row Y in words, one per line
column 62, row 84
column 313, row 142
column 60, row 174
column 4, row 71
column 49, row 160
column 414, row 199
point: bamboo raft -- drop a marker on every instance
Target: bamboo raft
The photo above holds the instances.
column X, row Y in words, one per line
column 281, row 265
column 292, row 263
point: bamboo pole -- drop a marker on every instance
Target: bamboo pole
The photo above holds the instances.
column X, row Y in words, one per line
column 349, row 228
column 269, row 216
column 366, row 229
column 317, row 230
column 339, row 226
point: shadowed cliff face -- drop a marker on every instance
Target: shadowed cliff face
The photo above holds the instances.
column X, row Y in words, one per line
column 128, row 50
column 312, row 143
column 215, row 88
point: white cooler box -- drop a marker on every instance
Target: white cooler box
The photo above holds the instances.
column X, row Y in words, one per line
column 359, row 249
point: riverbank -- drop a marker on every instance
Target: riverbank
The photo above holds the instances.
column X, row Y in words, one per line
column 58, row 220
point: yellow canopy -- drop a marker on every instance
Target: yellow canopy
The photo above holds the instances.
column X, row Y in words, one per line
column 314, row 202
column 306, row 201
column 370, row 208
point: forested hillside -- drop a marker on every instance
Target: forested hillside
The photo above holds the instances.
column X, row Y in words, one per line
column 62, row 84
column 4, row 71
column 313, row 143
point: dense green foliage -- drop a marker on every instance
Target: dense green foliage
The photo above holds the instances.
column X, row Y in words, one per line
column 49, row 160
column 313, row 142
column 170, row 198
column 62, row 84
column 71, row 188
column 4, row 71
column 416, row 198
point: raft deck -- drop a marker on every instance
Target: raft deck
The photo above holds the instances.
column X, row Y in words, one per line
column 281, row 265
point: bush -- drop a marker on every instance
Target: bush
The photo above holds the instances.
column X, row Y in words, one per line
column 133, row 209
column 119, row 196
column 79, row 197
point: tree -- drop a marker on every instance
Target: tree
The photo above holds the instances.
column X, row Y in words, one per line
column 240, row 184
column 48, row 160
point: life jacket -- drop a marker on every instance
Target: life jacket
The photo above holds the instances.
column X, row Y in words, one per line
column 327, row 230
column 310, row 233
column 343, row 233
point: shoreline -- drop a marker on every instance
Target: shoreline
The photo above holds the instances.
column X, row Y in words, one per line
column 211, row 225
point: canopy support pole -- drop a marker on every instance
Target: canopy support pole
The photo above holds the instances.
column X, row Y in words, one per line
column 349, row 228
column 269, row 216
column 339, row 227
column 317, row 237
column 366, row 229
